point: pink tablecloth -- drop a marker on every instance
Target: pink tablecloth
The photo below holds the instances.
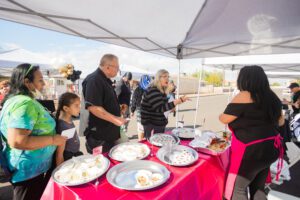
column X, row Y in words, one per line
column 203, row 180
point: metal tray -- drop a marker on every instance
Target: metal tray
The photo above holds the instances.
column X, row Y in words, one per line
column 164, row 153
column 157, row 135
column 181, row 133
column 209, row 151
column 122, row 176
column 129, row 143
column 80, row 159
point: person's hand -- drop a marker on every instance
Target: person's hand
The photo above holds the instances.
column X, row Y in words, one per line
column 59, row 140
column 184, row 99
column 284, row 101
column 120, row 121
column 124, row 107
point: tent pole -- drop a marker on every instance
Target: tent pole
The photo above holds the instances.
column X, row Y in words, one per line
column 198, row 94
column 230, row 94
column 179, row 56
column 177, row 95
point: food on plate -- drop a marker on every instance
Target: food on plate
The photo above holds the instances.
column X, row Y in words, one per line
column 156, row 177
column 211, row 141
column 181, row 157
column 217, row 144
column 226, row 135
column 145, row 178
column 130, row 151
column 162, row 139
column 77, row 170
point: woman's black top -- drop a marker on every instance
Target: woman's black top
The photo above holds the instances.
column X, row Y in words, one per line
column 252, row 124
column 153, row 106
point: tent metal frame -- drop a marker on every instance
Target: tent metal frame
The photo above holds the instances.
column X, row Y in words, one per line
column 168, row 51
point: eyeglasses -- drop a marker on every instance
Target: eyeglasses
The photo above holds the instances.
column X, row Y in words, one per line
column 165, row 76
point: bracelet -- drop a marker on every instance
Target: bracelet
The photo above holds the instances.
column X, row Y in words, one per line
column 181, row 100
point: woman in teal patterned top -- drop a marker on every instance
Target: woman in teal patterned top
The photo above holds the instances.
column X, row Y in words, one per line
column 29, row 132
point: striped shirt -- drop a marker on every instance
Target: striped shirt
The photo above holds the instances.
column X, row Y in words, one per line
column 153, row 106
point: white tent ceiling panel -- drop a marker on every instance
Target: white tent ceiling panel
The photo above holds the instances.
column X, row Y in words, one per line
column 33, row 21
column 7, row 4
column 235, row 27
column 144, row 43
column 293, row 43
column 270, row 50
column 123, row 19
column 84, row 28
column 236, row 48
column 200, row 53
column 242, row 20
column 123, row 43
column 286, row 68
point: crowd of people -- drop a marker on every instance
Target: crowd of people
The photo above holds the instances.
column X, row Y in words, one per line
column 34, row 144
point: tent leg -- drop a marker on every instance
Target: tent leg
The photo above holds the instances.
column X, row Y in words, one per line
column 177, row 95
column 230, row 93
column 198, row 95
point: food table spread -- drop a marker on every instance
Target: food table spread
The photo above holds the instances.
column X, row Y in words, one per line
column 204, row 179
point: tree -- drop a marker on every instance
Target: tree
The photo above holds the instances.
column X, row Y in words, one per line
column 275, row 84
column 214, row 78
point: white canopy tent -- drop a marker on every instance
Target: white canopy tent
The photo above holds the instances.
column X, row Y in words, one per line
column 11, row 58
column 182, row 29
column 137, row 72
column 174, row 28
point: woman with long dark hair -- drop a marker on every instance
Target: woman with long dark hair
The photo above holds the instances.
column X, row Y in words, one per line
column 29, row 133
column 254, row 116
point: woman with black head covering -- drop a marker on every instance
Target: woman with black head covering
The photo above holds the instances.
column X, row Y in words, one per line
column 136, row 103
column 253, row 116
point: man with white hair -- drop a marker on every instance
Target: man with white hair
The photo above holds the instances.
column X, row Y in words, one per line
column 102, row 103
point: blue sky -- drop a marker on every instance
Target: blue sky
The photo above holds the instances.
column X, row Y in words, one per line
column 41, row 40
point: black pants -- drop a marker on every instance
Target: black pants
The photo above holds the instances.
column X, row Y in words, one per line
column 68, row 155
column 252, row 174
column 31, row 189
column 91, row 143
column 149, row 128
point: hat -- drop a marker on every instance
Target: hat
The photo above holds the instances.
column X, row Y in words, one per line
column 293, row 85
column 145, row 81
column 128, row 75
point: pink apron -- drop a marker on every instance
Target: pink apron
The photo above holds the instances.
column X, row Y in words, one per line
column 237, row 152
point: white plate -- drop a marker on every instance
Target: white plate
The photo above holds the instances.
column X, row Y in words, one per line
column 83, row 164
column 161, row 139
column 124, row 175
column 184, row 133
column 128, row 151
column 167, row 154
